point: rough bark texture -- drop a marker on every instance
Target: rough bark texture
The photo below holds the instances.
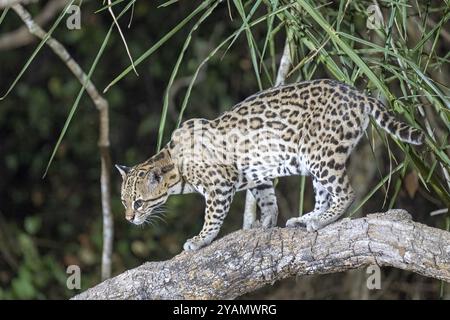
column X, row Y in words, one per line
column 246, row 260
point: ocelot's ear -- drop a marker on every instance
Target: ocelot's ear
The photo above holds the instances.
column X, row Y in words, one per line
column 123, row 170
column 167, row 168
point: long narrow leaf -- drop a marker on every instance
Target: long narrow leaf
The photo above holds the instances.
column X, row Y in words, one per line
column 76, row 103
column 158, row 44
column 175, row 71
column 2, row 17
column 38, row 48
column 342, row 45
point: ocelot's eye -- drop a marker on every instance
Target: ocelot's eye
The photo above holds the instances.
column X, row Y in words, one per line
column 137, row 204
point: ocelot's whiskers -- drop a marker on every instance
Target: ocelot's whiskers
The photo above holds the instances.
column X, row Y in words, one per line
column 306, row 128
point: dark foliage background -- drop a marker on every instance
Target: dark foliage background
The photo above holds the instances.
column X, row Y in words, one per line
column 48, row 224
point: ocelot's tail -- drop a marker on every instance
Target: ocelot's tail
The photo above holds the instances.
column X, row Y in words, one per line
column 388, row 122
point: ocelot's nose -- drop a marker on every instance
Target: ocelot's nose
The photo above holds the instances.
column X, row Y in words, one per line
column 130, row 216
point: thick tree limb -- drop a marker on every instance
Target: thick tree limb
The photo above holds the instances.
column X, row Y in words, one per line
column 246, row 260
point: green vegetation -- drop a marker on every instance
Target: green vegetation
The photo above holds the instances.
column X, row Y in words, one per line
column 196, row 59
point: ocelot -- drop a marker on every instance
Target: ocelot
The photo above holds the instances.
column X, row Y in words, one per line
column 306, row 128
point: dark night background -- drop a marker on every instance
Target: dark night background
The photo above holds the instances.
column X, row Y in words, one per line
column 48, row 224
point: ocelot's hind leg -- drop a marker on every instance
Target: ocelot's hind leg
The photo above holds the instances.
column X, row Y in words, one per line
column 337, row 184
column 342, row 196
column 322, row 203
column 267, row 203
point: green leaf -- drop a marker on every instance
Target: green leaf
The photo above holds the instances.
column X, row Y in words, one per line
column 158, row 44
column 2, row 17
column 378, row 186
column 77, row 101
column 175, row 71
column 33, row 224
column 315, row 14
column 38, row 48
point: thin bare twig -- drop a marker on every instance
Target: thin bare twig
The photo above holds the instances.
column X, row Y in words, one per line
column 121, row 35
column 103, row 107
column 22, row 37
column 10, row 3
column 285, row 64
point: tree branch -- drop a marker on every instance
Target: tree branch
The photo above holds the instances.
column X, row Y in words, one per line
column 22, row 37
column 246, row 260
column 285, row 64
column 10, row 3
column 103, row 108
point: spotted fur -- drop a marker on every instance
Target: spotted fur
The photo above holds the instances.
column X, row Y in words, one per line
column 307, row 128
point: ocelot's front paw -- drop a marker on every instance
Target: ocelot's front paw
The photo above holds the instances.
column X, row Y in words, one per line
column 195, row 243
column 308, row 221
column 269, row 221
column 255, row 224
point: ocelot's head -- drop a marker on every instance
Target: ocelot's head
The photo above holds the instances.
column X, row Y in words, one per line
column 146, row 186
